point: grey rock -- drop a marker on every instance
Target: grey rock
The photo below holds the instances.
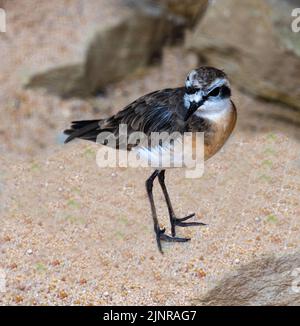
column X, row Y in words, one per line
column 124, row 48
column 267, row 281
column 66, row 81
column 137, row 41
column 190, row 11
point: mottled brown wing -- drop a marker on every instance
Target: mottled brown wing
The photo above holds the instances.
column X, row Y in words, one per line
column 155, row 112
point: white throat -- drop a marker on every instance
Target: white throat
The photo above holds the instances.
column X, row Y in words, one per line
column 214, row 109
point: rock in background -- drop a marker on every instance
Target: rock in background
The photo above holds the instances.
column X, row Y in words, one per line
column 188, row 11
column 269, row 281
column 124, row 47
column 253, row 41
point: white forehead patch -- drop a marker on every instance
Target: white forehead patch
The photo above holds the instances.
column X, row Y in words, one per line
column 190, row 78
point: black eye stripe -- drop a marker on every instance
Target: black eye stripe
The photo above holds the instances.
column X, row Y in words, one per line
column 223, row 91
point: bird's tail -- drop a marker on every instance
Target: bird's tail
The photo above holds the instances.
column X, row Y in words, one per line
column 85, row 129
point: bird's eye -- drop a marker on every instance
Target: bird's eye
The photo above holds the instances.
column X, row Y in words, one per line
column 191, row 90
column 214, row 92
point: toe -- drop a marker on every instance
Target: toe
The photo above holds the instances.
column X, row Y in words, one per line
column 182, row 224
column 185, row 218
column 167, row 238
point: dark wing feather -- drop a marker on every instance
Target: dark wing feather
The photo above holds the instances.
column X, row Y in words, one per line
column 155, row 112
column 86, row 129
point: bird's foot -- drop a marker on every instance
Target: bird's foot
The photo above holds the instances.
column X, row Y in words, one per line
column 181, row 222
column 161, row 236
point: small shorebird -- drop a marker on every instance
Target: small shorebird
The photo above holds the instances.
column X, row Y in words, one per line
column 203, row 105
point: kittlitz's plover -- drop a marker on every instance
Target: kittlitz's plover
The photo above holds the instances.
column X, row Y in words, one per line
column 203, row 105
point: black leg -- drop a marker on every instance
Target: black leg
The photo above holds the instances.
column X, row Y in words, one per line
column 173, row 220
column 160, row 233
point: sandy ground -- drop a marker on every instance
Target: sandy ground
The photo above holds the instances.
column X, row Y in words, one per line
column 73, row 233
column 76, row 234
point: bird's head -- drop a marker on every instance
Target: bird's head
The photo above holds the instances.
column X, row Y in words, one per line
column 207, row 89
